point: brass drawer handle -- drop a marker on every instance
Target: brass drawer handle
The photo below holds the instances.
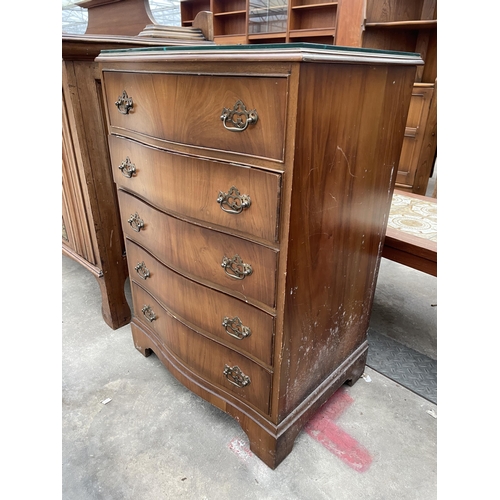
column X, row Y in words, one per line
column 236, row 376
column 238, row 118
column 233, row 202
column 127, row 168
column 236, row 268
column 124, row 103
column 136, row 223
column 235, row 328
column 149, row 313
column 142, row 270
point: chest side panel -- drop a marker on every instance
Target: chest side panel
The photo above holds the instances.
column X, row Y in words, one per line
column 349, row 141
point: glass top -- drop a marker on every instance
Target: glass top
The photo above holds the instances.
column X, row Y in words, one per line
column 258, row 47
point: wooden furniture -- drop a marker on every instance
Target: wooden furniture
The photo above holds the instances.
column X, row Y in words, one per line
column 254, row 186
column 401, row 25
column 405, row 25
column 411, row 236
column 267, row 21
column 91, row 229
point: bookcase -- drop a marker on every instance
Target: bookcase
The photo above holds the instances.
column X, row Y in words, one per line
column 312, row 21
column 230, row 18
column 410, row 26
column 399, row 25
column 267, row 21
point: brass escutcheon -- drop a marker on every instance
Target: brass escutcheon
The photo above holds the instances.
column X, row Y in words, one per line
column 127, row 168
column 235, row 328
column 149, row 313
column 233, row 202
column 142, row 270
column 124, row 103
column 136, row 223
column 236, row 268
column 238, row 118
column 236, row 376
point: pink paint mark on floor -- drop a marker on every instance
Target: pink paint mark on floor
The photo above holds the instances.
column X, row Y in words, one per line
column 322, row 428
column 240, row 449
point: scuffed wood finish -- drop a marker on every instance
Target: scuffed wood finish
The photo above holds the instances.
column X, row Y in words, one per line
column 341, row 195
column 309, row 298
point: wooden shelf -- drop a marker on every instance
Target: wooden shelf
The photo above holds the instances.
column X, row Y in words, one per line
column 230, row 21
column 405, row 25
column 314, row 5
column 312, row 32
column 231, row 13
column 189, row 9
column 272, row 11
column 269, row 35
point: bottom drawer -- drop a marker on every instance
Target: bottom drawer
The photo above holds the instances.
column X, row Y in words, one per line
column 212, row 361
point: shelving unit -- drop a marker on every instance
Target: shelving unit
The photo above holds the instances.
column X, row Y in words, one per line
column 410, row 27
column 267, row 21
column 189, row 9
column 400, row 25
column 230, row 20
column 313, row 21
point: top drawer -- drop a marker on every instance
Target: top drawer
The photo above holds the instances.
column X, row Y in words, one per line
column 187, row 109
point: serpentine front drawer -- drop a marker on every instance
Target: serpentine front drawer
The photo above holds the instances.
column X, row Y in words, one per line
column 237, row 324
column 226, row 113
column 231, row 196
column 211, row 360
column 244, row 267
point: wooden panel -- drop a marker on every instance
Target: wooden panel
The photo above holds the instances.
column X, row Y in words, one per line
column 341, row 199
column 179, row 294
column 78, row 216
column 198, row 251
column 202, row 355
column 350, row 22
column 130, row 17
column 307, row 18
column 414, row 133
column 230, row 39
column 384, row 39
column 230, row 23
column 393, row 10
column 187, row 109
column 91, row 207
column 412, row 251
column 190, row 186
column 189, row 9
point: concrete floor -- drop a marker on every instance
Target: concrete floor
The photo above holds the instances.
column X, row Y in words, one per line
column 155, row 440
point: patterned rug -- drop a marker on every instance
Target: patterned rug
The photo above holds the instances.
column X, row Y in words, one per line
column 414, row 216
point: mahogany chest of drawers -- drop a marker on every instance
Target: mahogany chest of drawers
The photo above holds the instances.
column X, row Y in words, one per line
column 254, row 185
